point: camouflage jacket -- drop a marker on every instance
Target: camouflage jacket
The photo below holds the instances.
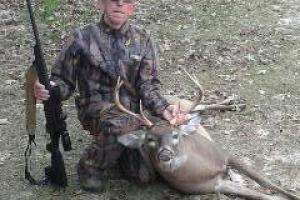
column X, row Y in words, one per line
column 93, row 59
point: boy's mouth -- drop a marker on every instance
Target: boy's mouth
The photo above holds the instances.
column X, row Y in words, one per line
column 118, row 12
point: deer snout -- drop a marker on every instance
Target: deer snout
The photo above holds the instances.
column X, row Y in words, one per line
column 165, row 153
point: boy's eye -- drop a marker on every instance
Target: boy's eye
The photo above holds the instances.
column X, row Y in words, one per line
column 123, row 1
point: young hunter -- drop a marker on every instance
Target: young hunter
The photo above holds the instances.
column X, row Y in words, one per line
column 92, row 60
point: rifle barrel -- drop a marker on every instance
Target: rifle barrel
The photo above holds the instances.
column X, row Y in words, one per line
column 42, row 71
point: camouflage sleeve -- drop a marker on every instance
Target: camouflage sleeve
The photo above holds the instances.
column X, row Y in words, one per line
column 63, row 72
column 148, row 83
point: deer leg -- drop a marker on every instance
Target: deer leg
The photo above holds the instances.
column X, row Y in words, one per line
column 231, row 188
column 220, row 107
column 239, row 165
column 227, row 104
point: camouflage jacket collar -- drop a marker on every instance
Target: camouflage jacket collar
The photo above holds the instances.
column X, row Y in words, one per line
column 118, row 33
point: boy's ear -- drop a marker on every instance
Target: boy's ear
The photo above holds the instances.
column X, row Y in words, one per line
column 131, row 9
column 133, row 139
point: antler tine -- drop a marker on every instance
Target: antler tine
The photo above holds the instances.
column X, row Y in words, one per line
column 117, row 99
column 149, row 123
column 125, row 110
column 200, row 96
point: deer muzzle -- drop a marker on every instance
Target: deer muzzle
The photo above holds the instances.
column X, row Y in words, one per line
column 165, row 154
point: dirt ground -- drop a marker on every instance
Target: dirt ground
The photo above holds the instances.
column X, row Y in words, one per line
column 247, row 48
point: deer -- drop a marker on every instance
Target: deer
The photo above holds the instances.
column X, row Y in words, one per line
column 189, row 160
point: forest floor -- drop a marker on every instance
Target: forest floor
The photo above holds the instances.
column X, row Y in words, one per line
column 247, row 48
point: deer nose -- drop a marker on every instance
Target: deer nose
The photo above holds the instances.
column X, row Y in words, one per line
column 165, row 153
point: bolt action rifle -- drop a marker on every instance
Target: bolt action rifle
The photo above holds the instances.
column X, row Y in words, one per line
column 55, row 119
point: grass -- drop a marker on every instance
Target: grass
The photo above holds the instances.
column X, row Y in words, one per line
column 47, row 9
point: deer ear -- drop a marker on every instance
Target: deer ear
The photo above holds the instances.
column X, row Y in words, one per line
column 133, row 139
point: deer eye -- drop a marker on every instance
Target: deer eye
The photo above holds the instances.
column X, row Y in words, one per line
column 150, row 139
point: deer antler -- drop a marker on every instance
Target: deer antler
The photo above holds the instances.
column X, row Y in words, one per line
column 140, row 117
column 200, row 96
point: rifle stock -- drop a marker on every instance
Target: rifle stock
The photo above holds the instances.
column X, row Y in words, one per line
column 55, row 118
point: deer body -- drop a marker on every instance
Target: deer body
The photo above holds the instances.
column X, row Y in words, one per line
column 190, row 161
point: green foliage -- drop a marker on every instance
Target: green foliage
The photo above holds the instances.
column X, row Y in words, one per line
column 47, row 9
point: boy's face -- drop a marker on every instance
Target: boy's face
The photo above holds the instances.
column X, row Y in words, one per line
column 116, row 12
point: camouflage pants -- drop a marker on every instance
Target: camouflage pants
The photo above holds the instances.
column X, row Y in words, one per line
column 105, row 151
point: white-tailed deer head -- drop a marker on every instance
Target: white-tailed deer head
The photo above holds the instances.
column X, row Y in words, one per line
column 162, row 138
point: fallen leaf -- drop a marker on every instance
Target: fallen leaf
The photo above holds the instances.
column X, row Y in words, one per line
column 4, row 121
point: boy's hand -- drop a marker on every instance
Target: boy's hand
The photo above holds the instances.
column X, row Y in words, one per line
column 173, row 114
column 40, row 91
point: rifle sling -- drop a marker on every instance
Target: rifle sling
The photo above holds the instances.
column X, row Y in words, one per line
column 27, row 155
column 30, row 118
